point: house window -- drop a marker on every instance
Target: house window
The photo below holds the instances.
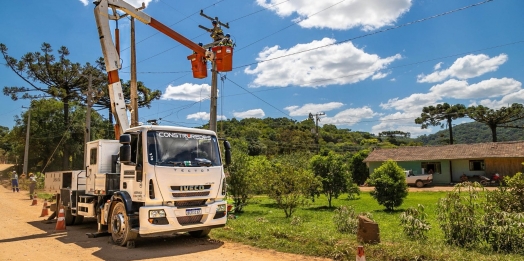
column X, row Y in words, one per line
column 476, row 165
column 92, row 156
column 434, row 166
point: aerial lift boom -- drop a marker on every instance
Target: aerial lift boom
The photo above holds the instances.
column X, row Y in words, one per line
column 112, row 57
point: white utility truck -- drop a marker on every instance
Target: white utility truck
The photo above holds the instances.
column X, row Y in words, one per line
column 152, row 180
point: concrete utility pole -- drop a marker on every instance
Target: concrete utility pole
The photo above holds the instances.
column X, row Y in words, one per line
column 134, row 89
column 26, row 150
column 316, row 117
column 214, row 73
column 89, row 101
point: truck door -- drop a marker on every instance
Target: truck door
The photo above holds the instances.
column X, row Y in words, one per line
column 132, row 174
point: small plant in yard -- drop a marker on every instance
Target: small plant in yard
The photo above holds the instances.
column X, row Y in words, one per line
column 413, row 221
column 390, row 185
column 346, row 220
column 459, row 215
column 296, row 221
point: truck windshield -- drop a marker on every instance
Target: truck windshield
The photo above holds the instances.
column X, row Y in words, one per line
column 167, row 148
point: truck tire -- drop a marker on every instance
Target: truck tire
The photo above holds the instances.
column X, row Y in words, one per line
column 69, row 218
column 419, row 184
column 200, row 233
column 79, row 219
column 120, row 227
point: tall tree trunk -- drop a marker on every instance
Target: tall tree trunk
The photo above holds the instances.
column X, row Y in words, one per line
column 493, row 132
column 450, row 127
column 65, row 146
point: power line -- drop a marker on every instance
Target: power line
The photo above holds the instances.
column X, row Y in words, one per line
column 369, row 34
column 394, row 67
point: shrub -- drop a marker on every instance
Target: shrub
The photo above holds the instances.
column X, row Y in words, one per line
column 353, row 191
column 346, row 220
column 460, row 215
column 504, row 231
column 390, row 185
column 413, row 221
column 511, row 197
column 289, row 182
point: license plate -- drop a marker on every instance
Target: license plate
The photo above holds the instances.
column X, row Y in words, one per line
column 193, row 211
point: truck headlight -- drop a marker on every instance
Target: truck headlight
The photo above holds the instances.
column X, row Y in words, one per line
column 160, row 213
column 221, row 208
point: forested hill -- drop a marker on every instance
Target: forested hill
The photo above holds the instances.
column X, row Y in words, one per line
column 473, row 132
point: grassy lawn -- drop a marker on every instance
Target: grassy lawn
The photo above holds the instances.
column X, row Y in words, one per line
column 311, row 231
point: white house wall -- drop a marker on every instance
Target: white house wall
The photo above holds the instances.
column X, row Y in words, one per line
column 460, row 167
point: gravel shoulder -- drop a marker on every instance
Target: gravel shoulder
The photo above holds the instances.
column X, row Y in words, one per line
column 26, row 236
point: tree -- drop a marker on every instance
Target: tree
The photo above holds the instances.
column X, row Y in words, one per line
column 357, row 167
column 494, row 118
column 435, row 115
column 48, row 135
column 289, row 182
column 332, row 172
column 390, row 185
column 243, row 175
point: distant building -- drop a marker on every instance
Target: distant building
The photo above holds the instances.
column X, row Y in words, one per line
column 449, row 162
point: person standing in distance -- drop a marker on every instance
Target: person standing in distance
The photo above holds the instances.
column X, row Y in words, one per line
column 14, row 181
column 32, row 185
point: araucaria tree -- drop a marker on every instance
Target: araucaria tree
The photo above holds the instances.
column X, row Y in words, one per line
column 390, row 185
column 441, row 115
column 48, row 76
column 332, row 172
column 495, row 118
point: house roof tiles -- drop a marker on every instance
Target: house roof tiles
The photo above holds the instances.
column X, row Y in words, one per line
column 512, row 149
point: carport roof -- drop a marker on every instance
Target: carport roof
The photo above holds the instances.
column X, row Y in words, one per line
column 511, row 149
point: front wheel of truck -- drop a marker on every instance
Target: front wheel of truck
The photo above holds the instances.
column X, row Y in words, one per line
column 120, row 226
column 200, row 233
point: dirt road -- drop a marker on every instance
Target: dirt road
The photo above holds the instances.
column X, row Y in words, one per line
column 24, row 236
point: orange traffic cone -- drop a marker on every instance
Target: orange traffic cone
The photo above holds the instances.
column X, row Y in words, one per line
column 360, row 254
column 45, row 212
column 35, row 201
column 60, row 222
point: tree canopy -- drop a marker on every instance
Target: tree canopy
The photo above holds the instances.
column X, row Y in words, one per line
column 495, row 118
column 441, row 115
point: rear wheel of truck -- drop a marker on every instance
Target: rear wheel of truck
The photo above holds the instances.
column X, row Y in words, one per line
column 79, row 219
column 200, row 233
column 120, row 227
column 419, row 184
column 69, row 218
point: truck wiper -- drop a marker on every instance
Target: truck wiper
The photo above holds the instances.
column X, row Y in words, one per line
column 203, row 162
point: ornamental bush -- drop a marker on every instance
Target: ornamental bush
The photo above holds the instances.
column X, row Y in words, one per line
column 390, row 185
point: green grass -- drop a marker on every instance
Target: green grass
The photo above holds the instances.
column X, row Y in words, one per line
column 311, row 231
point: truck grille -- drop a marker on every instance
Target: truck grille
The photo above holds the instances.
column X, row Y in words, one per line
column 189, row 220
column 191, row 194
column 190, row 203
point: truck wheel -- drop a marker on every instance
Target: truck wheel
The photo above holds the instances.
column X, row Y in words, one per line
column 79, row 219
column 120, row 227
column 419, row 184
column 200, row 233
column 69, row 218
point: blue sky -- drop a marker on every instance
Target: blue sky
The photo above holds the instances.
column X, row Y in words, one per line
column 297, row 57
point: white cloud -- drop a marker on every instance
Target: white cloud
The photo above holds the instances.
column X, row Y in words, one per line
column 255, row 113
column 334, row 14
column 379, row 75
column 466, row 67
column 487, row 88
column 506, row 101
column 187, row 92
column 334, row 64
column 85, row 2
column 312, row 108
column 350, row 116
column 400, row 121
column 415, row 102
column 203, row 116
column 437, row 66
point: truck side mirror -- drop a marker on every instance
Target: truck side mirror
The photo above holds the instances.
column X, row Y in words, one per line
column 228, row 152
column 125, row 153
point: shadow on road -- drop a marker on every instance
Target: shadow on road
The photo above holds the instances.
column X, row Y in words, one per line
column 146, row 248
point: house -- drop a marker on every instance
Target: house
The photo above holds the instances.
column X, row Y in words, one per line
column 449, row 162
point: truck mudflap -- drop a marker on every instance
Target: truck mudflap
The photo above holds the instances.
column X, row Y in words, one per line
column 178, row 219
